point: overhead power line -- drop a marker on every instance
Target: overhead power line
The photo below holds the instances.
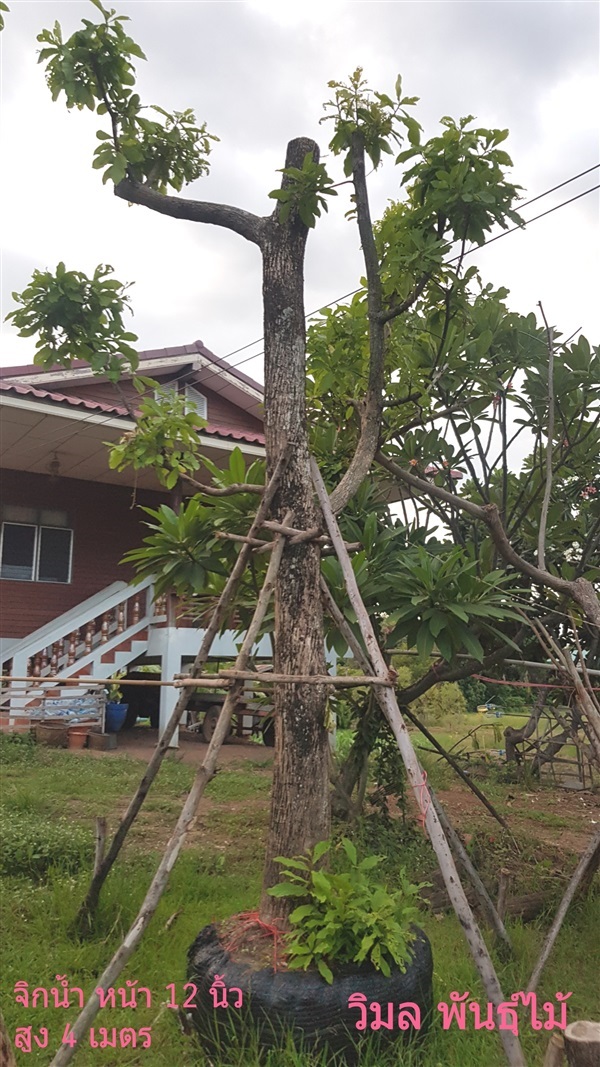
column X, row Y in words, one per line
column 223, row 370
column 339, row 299
column 470, row 251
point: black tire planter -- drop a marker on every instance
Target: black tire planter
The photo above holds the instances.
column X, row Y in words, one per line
column 301, row 1004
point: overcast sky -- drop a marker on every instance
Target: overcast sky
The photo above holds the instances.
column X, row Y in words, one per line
column 257, row 72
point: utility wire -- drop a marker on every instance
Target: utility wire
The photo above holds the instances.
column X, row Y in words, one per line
column 339, row 299
column 528, row 221
column 219, row 371
column 470, row 251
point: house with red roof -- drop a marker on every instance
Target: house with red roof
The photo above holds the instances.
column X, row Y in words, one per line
column 67, row 605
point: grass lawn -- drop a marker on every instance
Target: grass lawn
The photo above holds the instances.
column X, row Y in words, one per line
column 49, row 800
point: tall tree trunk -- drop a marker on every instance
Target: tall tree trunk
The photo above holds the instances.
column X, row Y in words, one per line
column 300, row 799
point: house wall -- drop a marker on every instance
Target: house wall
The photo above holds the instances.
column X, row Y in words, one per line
column 105, row 526
column 221, row 412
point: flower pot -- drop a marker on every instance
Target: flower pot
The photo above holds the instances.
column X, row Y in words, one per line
column 102, row 742
column 301, row 1003
column 115, row 717
column 78, row 736
column 55, row 735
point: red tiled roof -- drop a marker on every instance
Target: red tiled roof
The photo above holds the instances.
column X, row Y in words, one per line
column 61, row 398
column 249, row 436
column 198, row 348
column 226, row 432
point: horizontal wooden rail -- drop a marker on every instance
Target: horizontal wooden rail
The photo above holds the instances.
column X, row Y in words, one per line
column 217, row 681
column 306, row 679
column 83, row 680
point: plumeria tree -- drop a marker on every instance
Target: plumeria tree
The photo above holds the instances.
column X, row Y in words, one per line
column 403, row 378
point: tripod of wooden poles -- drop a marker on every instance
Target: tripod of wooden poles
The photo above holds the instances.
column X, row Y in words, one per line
column 445, row 841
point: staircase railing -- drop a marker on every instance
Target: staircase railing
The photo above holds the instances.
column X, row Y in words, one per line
column 80, row 638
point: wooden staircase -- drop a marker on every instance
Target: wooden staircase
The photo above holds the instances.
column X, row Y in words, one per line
column 96, row 639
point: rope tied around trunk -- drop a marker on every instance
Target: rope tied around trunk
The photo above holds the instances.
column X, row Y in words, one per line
column 250, row 921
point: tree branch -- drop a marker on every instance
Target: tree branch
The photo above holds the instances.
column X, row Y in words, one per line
column 541, row 554
column 372, row 408
column 228, row 490
column 231, row 218
column 405, row 305
column 580, row 590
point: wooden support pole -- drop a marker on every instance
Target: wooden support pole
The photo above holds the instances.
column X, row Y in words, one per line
column 83, row 680
column 100, row 843
column 290, row 531
column 418, row 782
column 503, row 883
column 341, row 681
column 582, row 1044
column 186, row 819
column 256, row 542
column 463, row 861
column 91, row 900
column 587, row 858
column 457, row 768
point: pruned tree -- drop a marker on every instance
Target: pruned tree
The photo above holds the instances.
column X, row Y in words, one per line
column 424, row 342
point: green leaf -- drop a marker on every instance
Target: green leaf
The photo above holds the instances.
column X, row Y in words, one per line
column 320, row 849
column 350, row 850
column 285, row 890
column 325, row 971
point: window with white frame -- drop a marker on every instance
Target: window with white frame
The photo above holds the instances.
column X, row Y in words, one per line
column 36, row 545
column 194, row 399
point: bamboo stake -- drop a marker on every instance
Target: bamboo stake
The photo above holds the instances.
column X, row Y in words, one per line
column 418, row 781
column 202, row 683
column 188, row 814
column 503, row 883
column 223, row 535
column 344, row 681
column 463, row 860
column 361, row 658
column 90, row 903
column 457, row 767
column 100, row 843
column 588, row 857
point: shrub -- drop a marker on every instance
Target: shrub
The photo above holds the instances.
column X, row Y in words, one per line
column 31, row 846
column 389, row 774
column 347, row 916
column 442, row 702
column 17, row 748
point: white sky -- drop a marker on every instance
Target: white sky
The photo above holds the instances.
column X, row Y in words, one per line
column 257, row 71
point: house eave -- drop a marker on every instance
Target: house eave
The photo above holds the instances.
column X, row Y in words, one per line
column 37, row 434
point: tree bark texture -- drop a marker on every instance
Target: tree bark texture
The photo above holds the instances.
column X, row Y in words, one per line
column 300, row 799
column 582, row 1044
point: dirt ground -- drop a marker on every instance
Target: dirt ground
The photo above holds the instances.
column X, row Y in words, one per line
column 561, row 819
column 140, row 742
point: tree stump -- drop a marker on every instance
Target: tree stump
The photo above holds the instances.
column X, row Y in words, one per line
column 582, row 1044
column 555, row 1053
column 7, row 1055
